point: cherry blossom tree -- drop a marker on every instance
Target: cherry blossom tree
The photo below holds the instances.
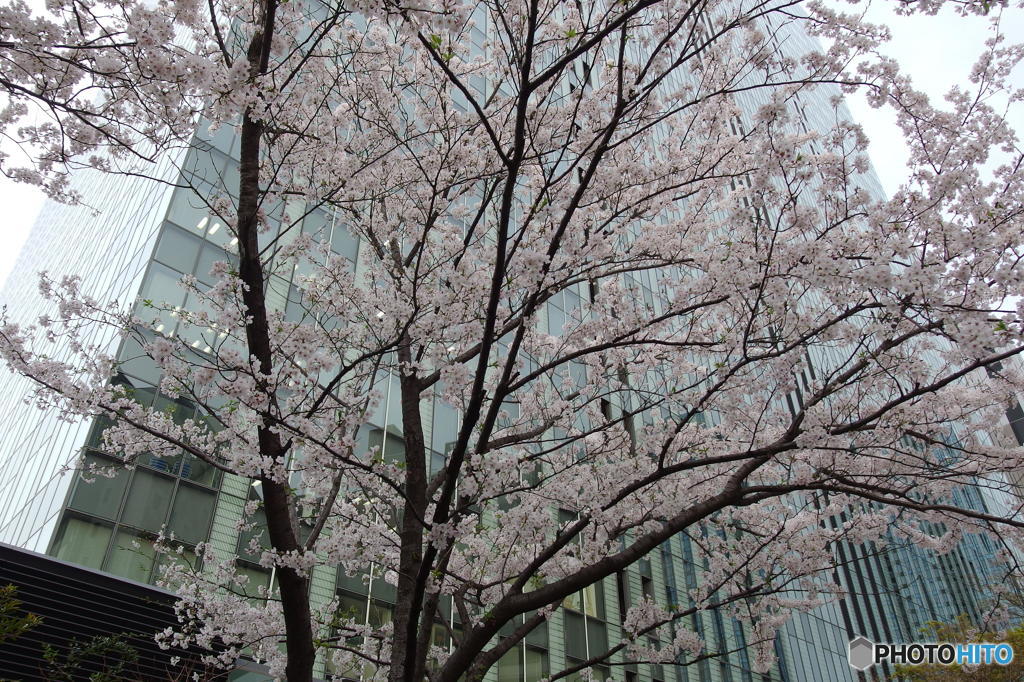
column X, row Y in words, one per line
column 607, row 236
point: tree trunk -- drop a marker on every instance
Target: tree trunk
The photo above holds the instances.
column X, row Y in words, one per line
column 407, row 660
column 281, row 522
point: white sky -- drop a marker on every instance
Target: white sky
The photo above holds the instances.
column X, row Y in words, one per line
column 935, row 51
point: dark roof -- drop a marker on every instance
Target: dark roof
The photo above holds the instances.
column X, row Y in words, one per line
column 77, row 604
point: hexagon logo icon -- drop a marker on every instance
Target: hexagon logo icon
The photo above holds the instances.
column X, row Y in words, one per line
column 861, row 653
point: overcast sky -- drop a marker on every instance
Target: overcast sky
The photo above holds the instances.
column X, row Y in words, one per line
column 935, row 51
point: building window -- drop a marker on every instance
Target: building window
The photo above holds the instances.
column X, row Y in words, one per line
column 523, row 664
column 103, row 496
column 132, row 555
column 112, row 521
column 527, row 661
column 82, row 541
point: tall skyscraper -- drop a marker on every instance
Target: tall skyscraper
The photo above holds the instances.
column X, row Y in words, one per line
column 133, row 240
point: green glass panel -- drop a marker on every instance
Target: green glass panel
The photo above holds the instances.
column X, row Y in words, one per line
column 189, row 210
column 391, row 448
column 101, row 496
column 204, row 164
column 179, row 409
column 167, row 463
column 647, row 587
column 178, row 249
column 190, row 517
column 268, row 237
column 132, row 556
column 304, row 269
column 248, row 676
column 198, row 336
column 510, row 666
column 197, row 470
column 258, row 577
column 394, row 409
column 132, row 360
column 344, row 242
column 593, row 595
column 352, row 607
column 539, row 635
column 161, row 299
column 380, row 613
column 148, row 499
column 95, row 439
column 574, row 601
column 228, row 183
column 575, row 639
column 446, row 424
column 355, row 584
column 170, row 459
column 435, row 462
column 597, row 634
column 380, row 588
column 210, row 255
column 536, row 664
column 258, row 523
column 556, row 320
column 82, row 542
column 224, row 138
column 439, row 636
column 220, row 234
column 317, row 224
column 144, row 395
column 296, row 308
column 163, row 286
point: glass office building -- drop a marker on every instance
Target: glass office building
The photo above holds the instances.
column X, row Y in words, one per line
column 108, row 240
column 134, row 242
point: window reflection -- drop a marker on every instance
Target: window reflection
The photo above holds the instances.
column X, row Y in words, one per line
column 102, row 496
column 170, row 491
column 82, row 541
column 131, row 556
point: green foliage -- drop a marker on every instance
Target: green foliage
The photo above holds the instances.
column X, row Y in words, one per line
column 962, row 630
column 12, row 624
column 115, row 657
